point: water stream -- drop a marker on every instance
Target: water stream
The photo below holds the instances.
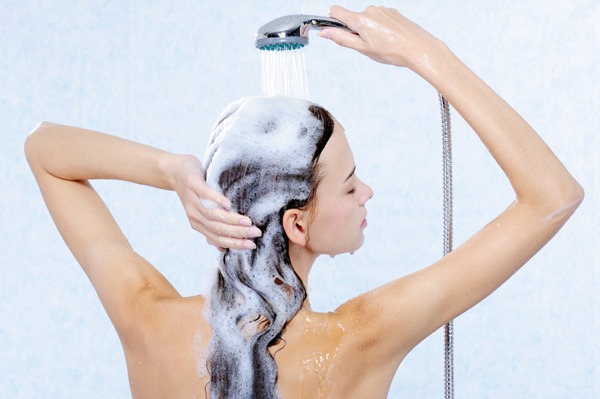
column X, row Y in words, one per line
column 284, row 73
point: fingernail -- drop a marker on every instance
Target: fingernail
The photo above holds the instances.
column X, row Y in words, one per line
column 325, row 34
column 245, row 222
column 225, row 203
column 249, row 244
column 254, row 232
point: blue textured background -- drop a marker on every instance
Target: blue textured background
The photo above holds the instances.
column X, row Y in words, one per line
column 160, row 71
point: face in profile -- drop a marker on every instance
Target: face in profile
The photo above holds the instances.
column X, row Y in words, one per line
column 339, row 215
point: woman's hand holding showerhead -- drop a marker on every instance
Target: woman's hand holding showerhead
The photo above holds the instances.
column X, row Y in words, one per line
column 384, row 35
column 208, row 210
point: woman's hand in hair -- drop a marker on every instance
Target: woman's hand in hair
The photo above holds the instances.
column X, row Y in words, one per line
column 207, row 210
column 384, row 35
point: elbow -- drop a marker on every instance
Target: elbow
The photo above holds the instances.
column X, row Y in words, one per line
column 39, row 128
column 572, row 194
column 564, row 202
column 579, row 193
column 33, row 142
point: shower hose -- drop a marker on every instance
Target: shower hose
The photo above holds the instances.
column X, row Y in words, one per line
column 447, row 238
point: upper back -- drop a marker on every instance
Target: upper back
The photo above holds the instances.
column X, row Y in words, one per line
column 317, row 357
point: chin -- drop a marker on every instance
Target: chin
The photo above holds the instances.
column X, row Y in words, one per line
column 358, row 245
column 347, row 247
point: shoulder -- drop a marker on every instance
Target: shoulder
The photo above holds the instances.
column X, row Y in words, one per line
column 378, row 324
column 169, row 347
column 158, row 319
column 133, row 292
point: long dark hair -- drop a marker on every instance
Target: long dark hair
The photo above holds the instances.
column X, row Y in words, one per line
column 263, row 155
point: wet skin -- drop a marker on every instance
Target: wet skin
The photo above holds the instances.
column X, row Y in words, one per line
column 348, row 353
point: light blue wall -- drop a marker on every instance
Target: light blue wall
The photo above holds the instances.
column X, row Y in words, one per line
column 160, row 72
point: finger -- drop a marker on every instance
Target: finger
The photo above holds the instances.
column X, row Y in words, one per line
column 209, row 194
column 348, row 17
column 226, row 217
column 207, row 226
column 343, row 38
column 240, row 232
column 224, row 241
column 221, row 249
column 233, row 243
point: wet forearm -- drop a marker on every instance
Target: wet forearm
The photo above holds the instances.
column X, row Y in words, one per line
column 535, row 173
column 73, row 153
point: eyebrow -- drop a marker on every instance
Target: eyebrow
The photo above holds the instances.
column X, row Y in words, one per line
column 351, row 174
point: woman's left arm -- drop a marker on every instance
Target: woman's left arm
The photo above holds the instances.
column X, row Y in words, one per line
column 546, row 194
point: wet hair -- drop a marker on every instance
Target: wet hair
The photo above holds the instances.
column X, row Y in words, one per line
column 263, row 155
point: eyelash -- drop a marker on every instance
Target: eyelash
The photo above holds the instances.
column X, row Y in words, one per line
column 353, row 189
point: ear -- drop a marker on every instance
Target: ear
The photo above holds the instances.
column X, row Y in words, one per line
column 295, row 226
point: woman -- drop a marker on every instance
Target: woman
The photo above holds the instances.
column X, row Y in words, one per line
column 265, row 155
column 316, row 353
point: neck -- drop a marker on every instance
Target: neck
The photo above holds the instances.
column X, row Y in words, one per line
column 302, row 260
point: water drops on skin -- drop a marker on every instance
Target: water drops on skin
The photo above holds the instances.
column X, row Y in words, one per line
column 321, row 364
column 320, row 360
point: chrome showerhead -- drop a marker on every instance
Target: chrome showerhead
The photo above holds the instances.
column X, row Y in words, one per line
column 291, row 32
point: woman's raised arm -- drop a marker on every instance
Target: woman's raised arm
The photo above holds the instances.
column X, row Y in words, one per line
column 64, row 158
column 545, row 192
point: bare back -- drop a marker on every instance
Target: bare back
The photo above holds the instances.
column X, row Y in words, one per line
column 317, row 356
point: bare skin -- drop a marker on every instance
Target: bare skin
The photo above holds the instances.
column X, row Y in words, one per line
column 162, row 332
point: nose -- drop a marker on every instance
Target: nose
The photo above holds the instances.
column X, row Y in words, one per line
column 366, row 192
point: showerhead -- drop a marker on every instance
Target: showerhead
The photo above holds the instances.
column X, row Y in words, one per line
column 291, row 32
